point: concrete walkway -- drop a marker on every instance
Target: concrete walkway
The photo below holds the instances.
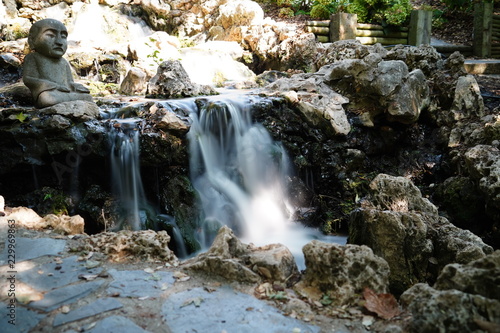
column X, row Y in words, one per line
column 48, row 287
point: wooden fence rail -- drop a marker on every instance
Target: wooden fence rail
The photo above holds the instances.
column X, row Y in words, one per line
column 345, row 26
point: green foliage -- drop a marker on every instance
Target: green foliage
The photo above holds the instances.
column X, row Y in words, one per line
column 390, row 12
column 320, row 12
column 286, row 12
column 21, row 117
column 56, row 200
column 285, row 3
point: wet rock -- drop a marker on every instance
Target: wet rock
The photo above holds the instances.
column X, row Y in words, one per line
column 122, row 245
column 172, row 81
column 478, row 277
column 449, row 310
column 75, row 110
column 341, row 272
column 229, row 258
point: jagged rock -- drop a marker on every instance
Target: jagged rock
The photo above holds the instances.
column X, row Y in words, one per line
column 126, row 244
column 405, row 229
column 400, row 237
column 342, row 272
column 483, row 163
column 397, row 93
column 239, row 13
column 172, row 81
column 449, row 310
column 424, row 57
column 134, row 82
column 29, row 219
column 468, row 100
column 478, row 277
column 318, row 103
column 68, row 225
column 75, row 110
column 455, row 245
column 229, row 258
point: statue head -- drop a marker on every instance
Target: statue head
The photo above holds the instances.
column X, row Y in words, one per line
column 49, row 38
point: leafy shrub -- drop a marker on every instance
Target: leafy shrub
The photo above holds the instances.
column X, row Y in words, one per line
column 390, row 12
column 286, row 12
column 320, row 12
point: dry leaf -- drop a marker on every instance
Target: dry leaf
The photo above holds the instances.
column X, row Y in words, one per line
column 180, row 276
column 384, row 305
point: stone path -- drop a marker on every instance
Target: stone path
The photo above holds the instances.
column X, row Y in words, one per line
column 55, row 292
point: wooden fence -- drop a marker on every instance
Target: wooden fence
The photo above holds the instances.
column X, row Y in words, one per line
column 486, row 42
column 343, row 26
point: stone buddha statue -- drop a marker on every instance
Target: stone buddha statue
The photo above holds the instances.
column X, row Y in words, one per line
column 45, row 72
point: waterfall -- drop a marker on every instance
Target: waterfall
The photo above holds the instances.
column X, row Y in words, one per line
column 239, row 173
column 125, row 170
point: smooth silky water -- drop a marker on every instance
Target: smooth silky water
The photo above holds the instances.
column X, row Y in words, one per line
column 239, row 172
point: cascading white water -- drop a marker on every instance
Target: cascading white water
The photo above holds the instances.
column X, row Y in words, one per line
column 125, row 169
column 240, row 174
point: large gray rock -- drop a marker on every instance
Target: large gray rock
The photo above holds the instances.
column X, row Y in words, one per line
column 468, row 100
column 343, row 271
column 229, row 258
column 172, row 81
column 449, row 310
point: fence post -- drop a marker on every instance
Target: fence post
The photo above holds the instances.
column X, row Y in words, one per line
column 343, row 26
column 420, row 27
column 483, row 15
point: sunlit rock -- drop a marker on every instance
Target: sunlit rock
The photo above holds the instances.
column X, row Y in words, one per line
column 68, row 225
column 240, row 13
column 449, row 310
column 126, row 244
column 229, row 258
column 134, row 82
column 318, row 103
column 172, row 81
column 342, row 271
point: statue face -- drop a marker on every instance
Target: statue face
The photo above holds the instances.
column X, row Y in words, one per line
column 51, row 40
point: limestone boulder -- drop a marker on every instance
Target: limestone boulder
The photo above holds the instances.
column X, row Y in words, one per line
column 239, row 13
column 318, row 104
column 449, row 310
column 478, row 277
column 134, row 82
column 230, row 259
column 64, row 224
column 483, row 164
column 406, row 230
column 126, row 244
column 342, row 271
column 467, row 101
